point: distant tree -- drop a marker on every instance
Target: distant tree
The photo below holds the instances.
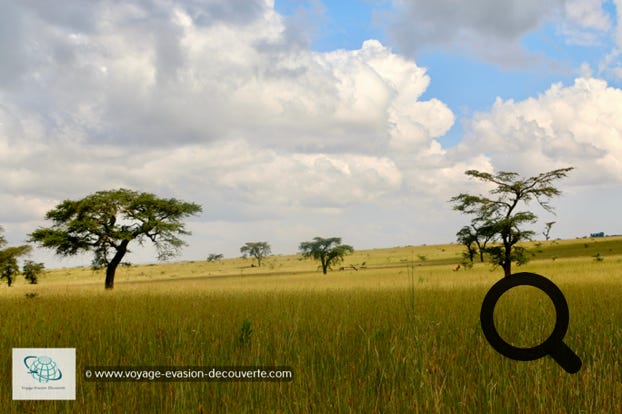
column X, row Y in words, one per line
column 547, row 230
column 500, row 209
column 107, row 221
column 328, row 251
column 32, row 270
column 9, row 268
column 258, row 250
column 214, row 257
column 478, row 234
column 467, row 238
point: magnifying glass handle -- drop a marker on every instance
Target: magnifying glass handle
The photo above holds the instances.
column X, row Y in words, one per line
column 566, row 358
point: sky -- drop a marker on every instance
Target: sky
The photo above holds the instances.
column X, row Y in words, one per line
column 292, row 119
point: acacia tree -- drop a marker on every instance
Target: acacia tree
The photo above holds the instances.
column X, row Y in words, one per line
column 480, row 232
column 500, row 209
column 258, row 250
column 466, row 237
column 32, row 270
column 328, row 251
column 547, row 230
column 9, row 268
column 213, row 257
column 107, row 221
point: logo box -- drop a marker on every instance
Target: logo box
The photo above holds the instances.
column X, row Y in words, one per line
column 44, row 373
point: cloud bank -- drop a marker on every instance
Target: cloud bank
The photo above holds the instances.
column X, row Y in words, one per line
column 493, row 29
column 232, row 110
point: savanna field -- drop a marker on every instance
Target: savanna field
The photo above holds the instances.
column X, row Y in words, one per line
column 399, row 334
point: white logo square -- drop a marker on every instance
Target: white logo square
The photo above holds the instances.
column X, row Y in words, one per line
column 44, row 373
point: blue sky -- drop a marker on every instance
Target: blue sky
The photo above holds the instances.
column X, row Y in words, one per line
column 293, row 119
column 465, row 82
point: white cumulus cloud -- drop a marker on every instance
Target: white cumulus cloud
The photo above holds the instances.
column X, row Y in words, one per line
column 578, row 125
column 192, row 100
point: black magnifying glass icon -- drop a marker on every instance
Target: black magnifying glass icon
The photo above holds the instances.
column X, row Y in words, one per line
column 554, row 345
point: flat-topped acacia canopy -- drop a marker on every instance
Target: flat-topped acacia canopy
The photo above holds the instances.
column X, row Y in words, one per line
column 107, row 221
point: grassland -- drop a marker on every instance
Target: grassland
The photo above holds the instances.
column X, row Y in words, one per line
column 400, row 334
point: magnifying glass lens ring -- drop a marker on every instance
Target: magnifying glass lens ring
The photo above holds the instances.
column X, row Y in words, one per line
column 537, row 281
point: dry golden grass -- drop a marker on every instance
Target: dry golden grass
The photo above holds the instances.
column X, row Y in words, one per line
column 401, row 334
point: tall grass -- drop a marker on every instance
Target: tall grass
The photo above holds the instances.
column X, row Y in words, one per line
column 385, row 339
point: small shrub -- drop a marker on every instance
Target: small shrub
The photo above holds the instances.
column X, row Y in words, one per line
column 245, row 332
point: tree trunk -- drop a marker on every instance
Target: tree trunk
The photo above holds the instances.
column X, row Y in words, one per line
column 112, row 266
column 324, row 265
column 480, row 251
column 507, row 261
column 507, row 268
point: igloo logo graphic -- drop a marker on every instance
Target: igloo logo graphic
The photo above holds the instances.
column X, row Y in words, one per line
column 42, row 368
